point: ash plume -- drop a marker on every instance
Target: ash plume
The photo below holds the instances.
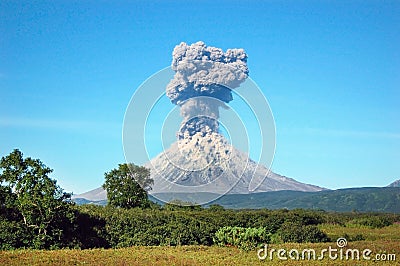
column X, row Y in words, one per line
column 202, row 84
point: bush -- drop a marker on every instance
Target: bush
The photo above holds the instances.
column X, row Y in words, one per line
column 358, row 237
column 216, row 208
column 13, row 235
column 89, row 231
column 243, row 238
column 298, row 233
column 373, row 221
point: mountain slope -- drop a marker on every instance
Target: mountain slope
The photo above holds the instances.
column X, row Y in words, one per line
column 92, row 195
column 274, row 182
column 395, row 184
column 235, row 174
column 373, row 199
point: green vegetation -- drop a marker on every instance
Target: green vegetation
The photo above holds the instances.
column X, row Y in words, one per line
column 375, row 199
column 35, row 212
column 295, row 232
column 105, row 227
column 126, row 186
column 243, row 238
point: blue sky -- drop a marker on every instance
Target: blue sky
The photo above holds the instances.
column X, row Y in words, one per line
column 329, row 69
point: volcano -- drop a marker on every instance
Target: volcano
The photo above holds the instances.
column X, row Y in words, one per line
column 203, row 168
column 211, row 164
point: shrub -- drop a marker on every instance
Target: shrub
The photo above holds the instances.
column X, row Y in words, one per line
column 298, row 233
column 243, row 238
column 216, row 208
column 373, row 221
column 358, row 237
column 13, row 235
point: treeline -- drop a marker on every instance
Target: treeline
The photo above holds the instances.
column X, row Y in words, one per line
column 36, row 213
column 172, row 225
column 111, row 227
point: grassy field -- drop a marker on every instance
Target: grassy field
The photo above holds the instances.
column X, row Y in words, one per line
column 389, row 233
column 383, row 241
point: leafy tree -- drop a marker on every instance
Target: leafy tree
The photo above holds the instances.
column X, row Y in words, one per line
column 30, row 197
column 127, row 186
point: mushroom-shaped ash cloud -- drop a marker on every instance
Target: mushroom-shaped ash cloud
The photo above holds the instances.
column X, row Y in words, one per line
column 202, row 83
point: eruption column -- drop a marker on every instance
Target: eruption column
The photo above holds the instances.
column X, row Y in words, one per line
column 202, row 83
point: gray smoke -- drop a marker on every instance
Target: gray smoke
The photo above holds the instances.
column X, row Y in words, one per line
column 202, row 83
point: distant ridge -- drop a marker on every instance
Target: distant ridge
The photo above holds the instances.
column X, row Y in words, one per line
column 368, row 199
